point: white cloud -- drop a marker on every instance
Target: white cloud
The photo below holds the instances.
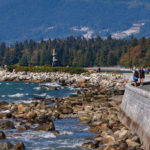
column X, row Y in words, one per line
column 135, row 29
column 88, row 32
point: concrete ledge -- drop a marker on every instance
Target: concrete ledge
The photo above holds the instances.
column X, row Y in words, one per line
column 135, row 112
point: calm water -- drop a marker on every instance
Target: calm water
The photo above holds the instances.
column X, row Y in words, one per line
column 72, row 133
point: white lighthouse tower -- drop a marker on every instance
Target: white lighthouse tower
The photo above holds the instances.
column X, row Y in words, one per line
column 54, row 60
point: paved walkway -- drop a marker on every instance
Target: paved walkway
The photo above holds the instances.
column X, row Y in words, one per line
column 147, row 79
column 145, row 87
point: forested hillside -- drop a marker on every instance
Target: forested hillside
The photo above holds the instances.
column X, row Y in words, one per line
column 78, row 52
column 41, row 19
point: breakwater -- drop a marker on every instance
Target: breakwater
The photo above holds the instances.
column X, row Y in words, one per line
column 135, row 112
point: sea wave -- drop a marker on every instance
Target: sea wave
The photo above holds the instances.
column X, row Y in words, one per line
column 41, row 95
column 5, row 111
column 27, row 136
column 51, row 84
column 26, row 101
column 16, row 95
column 37, row 88
column 66, row 133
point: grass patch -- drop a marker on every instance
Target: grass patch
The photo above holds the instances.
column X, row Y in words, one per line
column 71, row 70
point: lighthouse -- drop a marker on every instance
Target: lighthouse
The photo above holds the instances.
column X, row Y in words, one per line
column 54, row 60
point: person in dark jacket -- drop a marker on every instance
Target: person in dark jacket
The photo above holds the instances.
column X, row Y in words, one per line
column 142, row 75
column 135, row 76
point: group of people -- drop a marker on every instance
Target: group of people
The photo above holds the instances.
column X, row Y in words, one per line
column 138, row 74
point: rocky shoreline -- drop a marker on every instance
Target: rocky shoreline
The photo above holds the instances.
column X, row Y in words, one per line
column 96, row 103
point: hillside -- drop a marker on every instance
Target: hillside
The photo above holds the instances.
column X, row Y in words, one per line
column 30, row 19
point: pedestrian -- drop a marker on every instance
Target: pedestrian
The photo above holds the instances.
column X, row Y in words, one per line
column 135, row 76
column 142, row 75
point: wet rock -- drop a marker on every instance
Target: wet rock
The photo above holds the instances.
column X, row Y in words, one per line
column 3, row 104
column 48, row 127
column 5, row 124
column 53, row 88
column 85, row 119
column 2, row 135
column 43, row 119
column 89, row 145
column 19, row 146
column 6, row 146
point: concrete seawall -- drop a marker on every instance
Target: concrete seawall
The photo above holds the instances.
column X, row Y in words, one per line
column 135, row 112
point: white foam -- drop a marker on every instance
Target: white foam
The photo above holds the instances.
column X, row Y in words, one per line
column 26, row 101
column 77, row 144
column 66, row 133
column 37, row 88
column 3, row 96
column 16, row 95
column 48, row 96
column 42, row 95
column 27, row 136
column 86, row 129
column 51, row 84
column 5, row 111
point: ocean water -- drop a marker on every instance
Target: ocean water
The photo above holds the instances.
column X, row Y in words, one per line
column 72, row 133
column 27, row 91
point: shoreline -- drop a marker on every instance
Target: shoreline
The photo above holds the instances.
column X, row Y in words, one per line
column 96, row 104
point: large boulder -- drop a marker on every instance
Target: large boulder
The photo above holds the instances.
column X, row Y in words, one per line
column 48, row 127
column 6, row 146
column 31, row 115
column 2, row 135
column 6, row 124
column 22, row 108
column 19, row 146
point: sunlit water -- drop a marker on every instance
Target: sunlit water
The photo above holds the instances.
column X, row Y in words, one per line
column 72, row 133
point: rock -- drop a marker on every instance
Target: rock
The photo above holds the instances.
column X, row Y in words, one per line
column 123, row 146
column 53, row 88
column 22, row 108
column 85, row 119
column 132, row 143
column 136, row 139
column 48, row 127
column 110, row 147
column 88, row 107
column 31, row 115
column 89, row 145
column 121, row 134
column 67, row 110
column 19, row 146
column 3, row 104
column 5, row 124
column 42, row 119
column 109, row 140
column 6, row 146
column 2, row 135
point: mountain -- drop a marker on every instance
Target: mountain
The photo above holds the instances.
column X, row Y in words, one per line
column 43, row 19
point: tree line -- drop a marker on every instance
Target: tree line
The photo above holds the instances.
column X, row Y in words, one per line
column 78, row 52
